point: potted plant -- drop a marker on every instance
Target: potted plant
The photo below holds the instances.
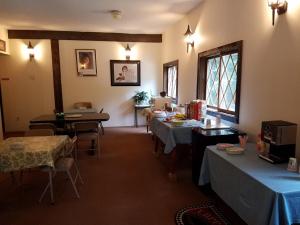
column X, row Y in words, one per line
column 140, row 97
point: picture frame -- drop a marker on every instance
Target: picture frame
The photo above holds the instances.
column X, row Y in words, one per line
column 125, row 72
column 2, row 45
column 86, row 62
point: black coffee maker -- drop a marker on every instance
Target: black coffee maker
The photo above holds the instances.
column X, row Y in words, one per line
column 280, row 140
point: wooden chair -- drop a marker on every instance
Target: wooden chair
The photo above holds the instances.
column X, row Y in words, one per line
column 64, row 164
column 80, row 105
column 39, row 132
column 43, row 126
column 88, row 131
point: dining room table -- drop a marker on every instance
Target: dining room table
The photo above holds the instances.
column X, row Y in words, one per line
column 71, row 118
column 20, row 153
column 177, row 137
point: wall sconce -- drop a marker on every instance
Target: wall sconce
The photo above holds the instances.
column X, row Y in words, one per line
column 189, row 39
column 279, row 5
column 127, row 52
column 30, row 51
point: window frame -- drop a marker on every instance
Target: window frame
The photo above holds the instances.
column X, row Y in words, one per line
column 166, row 66
column 203, row 57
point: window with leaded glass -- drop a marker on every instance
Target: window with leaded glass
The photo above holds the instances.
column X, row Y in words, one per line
column 170, row 79
column 219, row 76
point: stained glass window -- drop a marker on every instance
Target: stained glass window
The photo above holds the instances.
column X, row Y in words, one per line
column 221, row 82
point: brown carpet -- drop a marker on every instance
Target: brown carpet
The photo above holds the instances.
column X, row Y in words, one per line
column 127, row 185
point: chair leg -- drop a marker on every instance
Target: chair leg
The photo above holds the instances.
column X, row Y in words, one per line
column 78, row 173
column 98, row 147
column 102, row 128
column 13, row 178
column 73, row 184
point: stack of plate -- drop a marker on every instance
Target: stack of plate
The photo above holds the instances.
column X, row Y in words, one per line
column 235, row 150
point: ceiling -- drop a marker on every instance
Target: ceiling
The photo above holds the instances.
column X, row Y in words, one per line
column 138, row 16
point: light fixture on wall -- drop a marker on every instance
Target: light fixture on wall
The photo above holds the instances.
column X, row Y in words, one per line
column 189, row 39
column 30, row 51
column 279, row 5
column 116, row 14
column 127, row 52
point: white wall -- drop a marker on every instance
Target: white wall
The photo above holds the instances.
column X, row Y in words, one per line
column 270, row 70
column 98, row 90
column 29, row 90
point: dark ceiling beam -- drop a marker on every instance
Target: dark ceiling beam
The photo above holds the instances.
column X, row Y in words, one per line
column 84, row 36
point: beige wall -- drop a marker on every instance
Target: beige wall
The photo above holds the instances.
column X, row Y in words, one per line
column 29, row 90
column 271, row 69
column 115, row 100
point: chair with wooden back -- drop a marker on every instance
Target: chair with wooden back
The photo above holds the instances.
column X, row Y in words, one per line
column 43, row 126
column 88, row 131
column 83, row 105
column 39, row 132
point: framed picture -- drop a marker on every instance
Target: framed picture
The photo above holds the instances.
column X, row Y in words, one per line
column 125, row 72
column 86, row 62
column 2, row 45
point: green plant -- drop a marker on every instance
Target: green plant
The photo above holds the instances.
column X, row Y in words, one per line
column 140, row 96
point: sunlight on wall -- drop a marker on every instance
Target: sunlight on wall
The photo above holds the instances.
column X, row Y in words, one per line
column 293, row 7
column 198, row 37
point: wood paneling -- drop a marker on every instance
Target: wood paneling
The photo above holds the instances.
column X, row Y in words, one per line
column 87, row 36
column 56, row 76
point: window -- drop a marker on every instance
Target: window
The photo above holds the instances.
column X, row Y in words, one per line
column 219, row 78
column 170, row 79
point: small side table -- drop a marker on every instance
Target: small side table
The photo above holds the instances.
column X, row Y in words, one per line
column 136, row 108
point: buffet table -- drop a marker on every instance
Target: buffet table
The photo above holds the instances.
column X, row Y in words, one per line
column 259, row 192
column 172, row 135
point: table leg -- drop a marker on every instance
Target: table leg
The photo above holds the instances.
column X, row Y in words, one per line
column 173, row 164
column 135, row 118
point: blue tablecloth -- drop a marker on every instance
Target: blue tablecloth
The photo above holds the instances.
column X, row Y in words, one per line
column 259, row 192
column 171, row 135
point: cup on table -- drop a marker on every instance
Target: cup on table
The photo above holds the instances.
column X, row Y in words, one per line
column 208, row 122
column 243, row 140
column 293, row 164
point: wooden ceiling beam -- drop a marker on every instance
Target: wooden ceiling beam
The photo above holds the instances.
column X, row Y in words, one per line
column 84, row 36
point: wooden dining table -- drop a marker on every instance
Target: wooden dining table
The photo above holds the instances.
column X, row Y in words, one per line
column 71, row 118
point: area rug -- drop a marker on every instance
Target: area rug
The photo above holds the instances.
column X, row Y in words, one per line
column 201, row 214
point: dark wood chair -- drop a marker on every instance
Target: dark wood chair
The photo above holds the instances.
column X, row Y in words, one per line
column 80, row 105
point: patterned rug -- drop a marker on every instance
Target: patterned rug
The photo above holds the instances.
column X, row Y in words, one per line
column 202, row 214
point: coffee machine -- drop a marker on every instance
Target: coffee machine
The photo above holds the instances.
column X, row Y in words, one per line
column 280, row 140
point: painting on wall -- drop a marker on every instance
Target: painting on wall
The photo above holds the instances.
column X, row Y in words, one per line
column 86, row 62
column 2, row 45
column 125, row 72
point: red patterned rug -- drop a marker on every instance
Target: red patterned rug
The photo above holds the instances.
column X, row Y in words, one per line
column 202, row 214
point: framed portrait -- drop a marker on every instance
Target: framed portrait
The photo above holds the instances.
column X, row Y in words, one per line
column 2, row 45
column 86, row 62
column 125, row 72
